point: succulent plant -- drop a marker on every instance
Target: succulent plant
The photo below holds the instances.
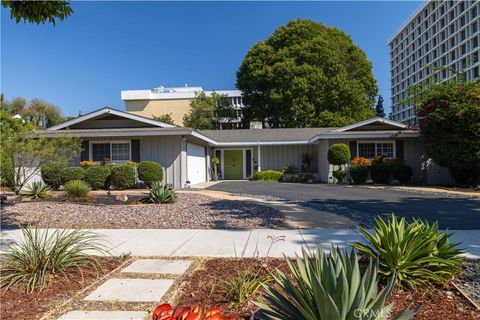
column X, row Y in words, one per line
column 167, row 312
column 160, row 194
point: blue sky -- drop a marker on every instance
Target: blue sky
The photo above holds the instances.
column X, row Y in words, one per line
column 104, row 47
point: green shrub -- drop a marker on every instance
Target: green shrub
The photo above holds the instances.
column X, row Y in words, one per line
column 359, row 173
column 339, row 175
column 268, row 175
column 123, row 176
column 380, row 172
column 149, row 171
column 37, row 190
column 416, row 253
column 98, row 177
column 77, row 189
column 297, row 178
column 160, row 194
column 327, row 287
column 41, row 256
column 52, row 175
column 338, row 154
column 402, row 173
column 290, row 168
column 72, row 173
column 7, row 172
column 244, row 285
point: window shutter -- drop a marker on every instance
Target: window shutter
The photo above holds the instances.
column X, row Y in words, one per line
column 85, row 153
column 353, row 149
column 136, row 150
column 399, row 148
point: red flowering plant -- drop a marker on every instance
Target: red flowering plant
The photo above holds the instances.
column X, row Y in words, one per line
column 167, row 312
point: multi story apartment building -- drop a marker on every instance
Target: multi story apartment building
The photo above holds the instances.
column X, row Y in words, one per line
column 438, row 34
column 176, row 102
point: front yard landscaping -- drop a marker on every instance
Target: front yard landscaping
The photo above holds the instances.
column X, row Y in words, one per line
column 103, row 211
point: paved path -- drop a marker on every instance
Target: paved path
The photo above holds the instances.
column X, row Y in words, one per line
column 459, row 213
column 235, row 243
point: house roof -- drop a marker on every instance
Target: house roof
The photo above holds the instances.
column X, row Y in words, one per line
column 259, row 136
column 372, row 123
column 110, row 111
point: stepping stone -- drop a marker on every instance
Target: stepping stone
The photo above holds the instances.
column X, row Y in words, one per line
column 104, row 315
column 158, row 266
column 131, row 290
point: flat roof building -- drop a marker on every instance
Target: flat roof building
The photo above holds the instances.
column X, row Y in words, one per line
column 438, row 34
column 176, row 102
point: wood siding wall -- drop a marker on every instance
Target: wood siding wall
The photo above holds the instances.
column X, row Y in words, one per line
column 278, row 156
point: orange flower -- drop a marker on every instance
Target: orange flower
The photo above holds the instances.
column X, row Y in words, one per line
column 166, row 312
column 361, row 161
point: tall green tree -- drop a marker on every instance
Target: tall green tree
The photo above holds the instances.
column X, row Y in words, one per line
column 448, row 116
column 167, row 118
column 40, row 113
column 207, row 112
column 307, row 75
column 24, row 151
column 379, row 111
column 38, row 11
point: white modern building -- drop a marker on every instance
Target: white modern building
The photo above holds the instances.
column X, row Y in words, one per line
column 175, row 101
column 437, row 34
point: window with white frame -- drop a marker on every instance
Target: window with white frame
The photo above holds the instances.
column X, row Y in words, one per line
column 114, row 151
column 372, row 149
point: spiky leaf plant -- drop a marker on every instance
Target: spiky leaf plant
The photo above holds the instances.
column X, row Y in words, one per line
column 244, row 285
column 160, row 194
column 328, row 287
column 41, row 255
column 417, row 253
column 37, row 190
column 77, row 189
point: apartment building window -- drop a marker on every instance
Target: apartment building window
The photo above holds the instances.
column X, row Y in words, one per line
column 474, row 12
column 476, row 72
column 475, row 42
column 474, row 27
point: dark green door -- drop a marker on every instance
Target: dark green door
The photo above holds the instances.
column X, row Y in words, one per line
column 233, row 164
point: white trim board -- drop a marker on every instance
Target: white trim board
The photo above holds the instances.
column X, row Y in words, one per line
column 119, row 113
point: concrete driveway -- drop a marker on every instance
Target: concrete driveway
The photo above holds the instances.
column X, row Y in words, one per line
column 456, row 213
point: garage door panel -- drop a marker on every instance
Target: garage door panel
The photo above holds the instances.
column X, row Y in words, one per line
column 196, row 163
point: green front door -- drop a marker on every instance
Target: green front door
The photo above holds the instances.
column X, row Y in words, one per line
column 233, row 164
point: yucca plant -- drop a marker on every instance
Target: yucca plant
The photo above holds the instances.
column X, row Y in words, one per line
column 328, row 287
column 160, row 194
column 167, row 312
column 77, row 189
column 37, row 190
column 417, row 253
column 41, row 255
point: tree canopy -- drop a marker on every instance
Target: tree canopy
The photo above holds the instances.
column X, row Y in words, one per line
column 38, row 112
column 167, row 118
column 307, row 75
column 207, row 112
column 38, row 11
column 448, row 115
column 379, row 110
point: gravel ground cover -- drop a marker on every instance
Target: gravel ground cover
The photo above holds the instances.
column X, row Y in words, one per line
column 191, row 211
column 469, row 280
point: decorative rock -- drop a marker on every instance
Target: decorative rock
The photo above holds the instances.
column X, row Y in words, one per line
column 121, row 198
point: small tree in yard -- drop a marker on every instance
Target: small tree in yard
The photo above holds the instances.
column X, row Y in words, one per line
column 449, row 119
column 338, row 155
column 28, row 151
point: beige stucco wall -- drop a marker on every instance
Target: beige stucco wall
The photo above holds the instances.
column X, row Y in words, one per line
column 149, row 108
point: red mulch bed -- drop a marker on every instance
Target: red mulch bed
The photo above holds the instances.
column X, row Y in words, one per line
column 203, row 287
column 16, row 304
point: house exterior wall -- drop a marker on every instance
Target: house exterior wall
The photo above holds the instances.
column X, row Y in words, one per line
column 150, row 108
column 166, row 150
column 275, row 157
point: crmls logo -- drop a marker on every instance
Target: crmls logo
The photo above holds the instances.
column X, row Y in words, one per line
column 369, row 314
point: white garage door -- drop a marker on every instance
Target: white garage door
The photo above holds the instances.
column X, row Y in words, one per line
column 196, row 164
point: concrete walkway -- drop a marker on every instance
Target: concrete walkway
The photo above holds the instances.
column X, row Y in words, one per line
column 236, row 243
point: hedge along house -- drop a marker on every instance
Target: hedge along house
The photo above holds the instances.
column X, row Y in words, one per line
column 186, row 154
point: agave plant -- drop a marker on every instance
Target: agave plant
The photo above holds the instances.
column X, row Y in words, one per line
column 42, row 255
column 167, row 312
column 328, row 287
column 160, row 194
column 417, row 252
column 37, row 190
